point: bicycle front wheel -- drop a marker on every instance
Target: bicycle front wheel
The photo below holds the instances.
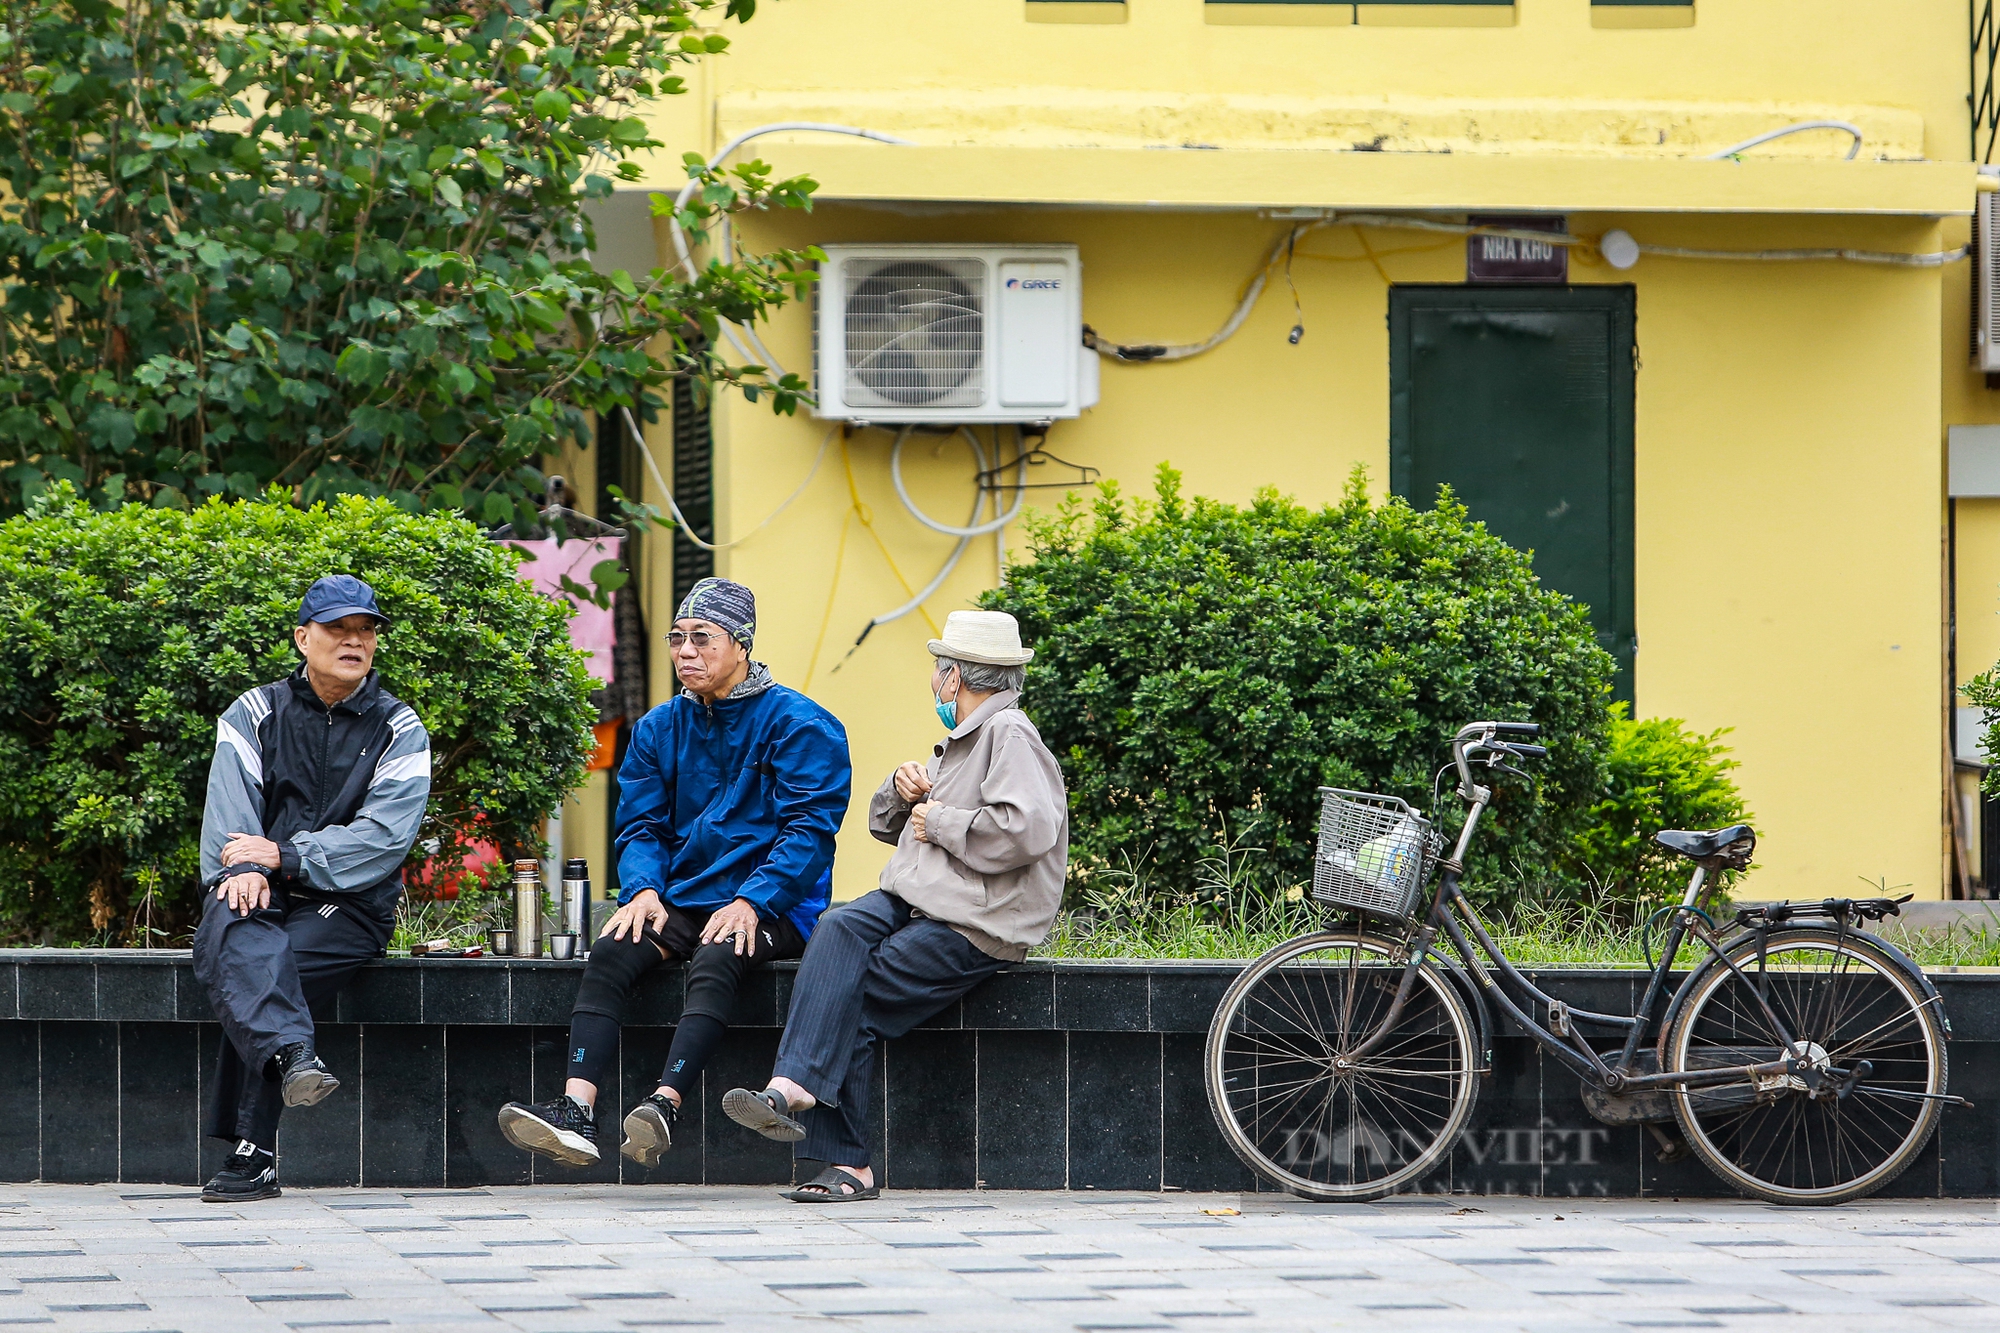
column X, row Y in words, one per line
column 1302, row 1113
column 1850, row 1006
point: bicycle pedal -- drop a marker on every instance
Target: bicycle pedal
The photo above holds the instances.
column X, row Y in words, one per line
column 1559, row 1018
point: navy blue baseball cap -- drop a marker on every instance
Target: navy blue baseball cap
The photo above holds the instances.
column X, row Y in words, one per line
column 339, row 595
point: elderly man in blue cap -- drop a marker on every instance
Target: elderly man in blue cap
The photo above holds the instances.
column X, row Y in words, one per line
column 314, row 796
column 728, row 802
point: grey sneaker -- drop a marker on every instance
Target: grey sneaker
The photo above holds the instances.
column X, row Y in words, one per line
column 649, row 1130
column 564, row 1129
column 306, row 1081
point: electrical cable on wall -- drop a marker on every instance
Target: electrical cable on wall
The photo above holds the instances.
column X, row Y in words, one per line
column 755, row 350
column 976, row 529
column 1769, row 135
column 858, row 510
column 1617, row 247
column 972, row 529
column 673, row 505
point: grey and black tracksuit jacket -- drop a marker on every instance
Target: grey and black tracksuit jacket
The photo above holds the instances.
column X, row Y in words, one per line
column 341, row 790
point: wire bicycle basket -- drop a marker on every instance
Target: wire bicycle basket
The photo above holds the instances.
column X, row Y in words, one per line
column 1375, row 853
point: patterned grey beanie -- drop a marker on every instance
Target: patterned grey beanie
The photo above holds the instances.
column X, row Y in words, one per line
column 720, row 602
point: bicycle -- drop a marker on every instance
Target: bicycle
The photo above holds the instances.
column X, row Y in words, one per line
column 1802, row 1059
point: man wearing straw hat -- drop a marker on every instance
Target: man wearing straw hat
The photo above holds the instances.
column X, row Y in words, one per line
column 982, row 842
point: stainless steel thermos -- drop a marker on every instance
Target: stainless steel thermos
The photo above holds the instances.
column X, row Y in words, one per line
column 527, row 908
column 575, row 914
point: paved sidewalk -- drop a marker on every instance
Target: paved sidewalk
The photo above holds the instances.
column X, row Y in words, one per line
column 550, row 1259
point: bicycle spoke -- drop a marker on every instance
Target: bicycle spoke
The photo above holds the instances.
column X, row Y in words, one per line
column 1280, row 1048
column 1845, row 1002
column 1302, row 1117
column 1906, row 1018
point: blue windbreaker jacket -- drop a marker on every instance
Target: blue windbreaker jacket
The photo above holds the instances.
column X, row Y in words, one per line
column 740, row 799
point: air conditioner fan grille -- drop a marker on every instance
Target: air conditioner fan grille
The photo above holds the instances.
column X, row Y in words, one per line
column 915, row 332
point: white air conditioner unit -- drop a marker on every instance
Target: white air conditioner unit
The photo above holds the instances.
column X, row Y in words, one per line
column 1986, row 289
column 948, row 334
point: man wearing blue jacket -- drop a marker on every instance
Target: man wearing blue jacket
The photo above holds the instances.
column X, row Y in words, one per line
column 728, row 802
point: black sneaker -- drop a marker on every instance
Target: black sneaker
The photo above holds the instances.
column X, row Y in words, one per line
column 649, row 1130
column 563, row 1129
column 250, row 1173
column 306, row 1081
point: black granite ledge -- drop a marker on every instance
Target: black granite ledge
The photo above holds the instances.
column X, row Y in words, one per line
column 1134, row 995
column 1053, row 1075
column 1116, row 995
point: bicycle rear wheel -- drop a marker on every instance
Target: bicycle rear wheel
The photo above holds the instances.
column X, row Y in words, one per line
column 1303, row 1115
column 1851, row 1005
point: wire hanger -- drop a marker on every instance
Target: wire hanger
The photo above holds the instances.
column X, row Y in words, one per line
column 574, row 522
column 989, row 480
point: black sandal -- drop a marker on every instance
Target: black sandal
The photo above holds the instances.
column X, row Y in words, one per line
column 767, row 1112
column 826, row 1188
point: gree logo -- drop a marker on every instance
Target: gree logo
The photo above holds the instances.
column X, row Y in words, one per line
column 1035, row 284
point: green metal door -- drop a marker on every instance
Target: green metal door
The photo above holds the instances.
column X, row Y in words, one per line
column 1521, row 399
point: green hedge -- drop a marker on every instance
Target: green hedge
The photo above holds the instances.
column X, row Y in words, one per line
column 1202, row 669
column 125, row 633
column 1658, row 775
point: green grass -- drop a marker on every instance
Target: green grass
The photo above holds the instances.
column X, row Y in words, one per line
column 463, row 920
column 1533, row 935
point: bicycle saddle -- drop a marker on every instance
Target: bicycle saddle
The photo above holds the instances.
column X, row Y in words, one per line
column 1718, row 849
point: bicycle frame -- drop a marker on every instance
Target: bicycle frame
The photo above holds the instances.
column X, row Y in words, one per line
column 1452, row 915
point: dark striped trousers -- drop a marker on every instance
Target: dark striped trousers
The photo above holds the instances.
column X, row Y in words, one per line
column 871, row 972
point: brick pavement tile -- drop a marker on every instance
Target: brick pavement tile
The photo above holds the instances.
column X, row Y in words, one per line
column 1273, row 1268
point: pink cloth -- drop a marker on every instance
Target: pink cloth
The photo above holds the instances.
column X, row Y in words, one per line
column 590, row 627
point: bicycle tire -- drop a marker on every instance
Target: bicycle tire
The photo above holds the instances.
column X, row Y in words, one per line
column 1847, row 998
column 1372, row 1130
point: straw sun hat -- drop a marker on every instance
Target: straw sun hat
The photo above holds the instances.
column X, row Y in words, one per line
column 991, row 638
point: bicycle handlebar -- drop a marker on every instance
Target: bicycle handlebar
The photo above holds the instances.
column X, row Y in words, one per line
column 1471, row 729
column 1480, row 736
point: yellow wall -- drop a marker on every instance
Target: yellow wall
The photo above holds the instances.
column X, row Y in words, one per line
column 949, row 62
column 1787, row 483
column 1789, row 416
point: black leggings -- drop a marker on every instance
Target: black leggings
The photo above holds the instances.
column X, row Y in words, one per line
column 714, row 973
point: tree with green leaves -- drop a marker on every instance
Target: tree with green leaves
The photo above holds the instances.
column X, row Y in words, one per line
column 340, row 246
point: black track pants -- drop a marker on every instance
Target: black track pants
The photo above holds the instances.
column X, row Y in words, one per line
column 715, row 972
column 263, row 973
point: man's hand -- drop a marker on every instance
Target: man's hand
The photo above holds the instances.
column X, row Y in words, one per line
column 645, row 909
column 913, row 781
column 245, row 893
column 736, row 923
column 249, row 849
column 919, row 817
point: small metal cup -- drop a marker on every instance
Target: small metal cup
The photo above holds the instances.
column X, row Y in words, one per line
column 500, row 943
column 562, row 947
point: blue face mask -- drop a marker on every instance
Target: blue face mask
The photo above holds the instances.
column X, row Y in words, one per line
column 947, row 712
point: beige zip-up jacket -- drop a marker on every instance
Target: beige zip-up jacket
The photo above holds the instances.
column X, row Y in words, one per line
column 994, row 858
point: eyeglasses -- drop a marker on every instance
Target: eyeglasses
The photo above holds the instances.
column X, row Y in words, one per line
column 700, row 638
